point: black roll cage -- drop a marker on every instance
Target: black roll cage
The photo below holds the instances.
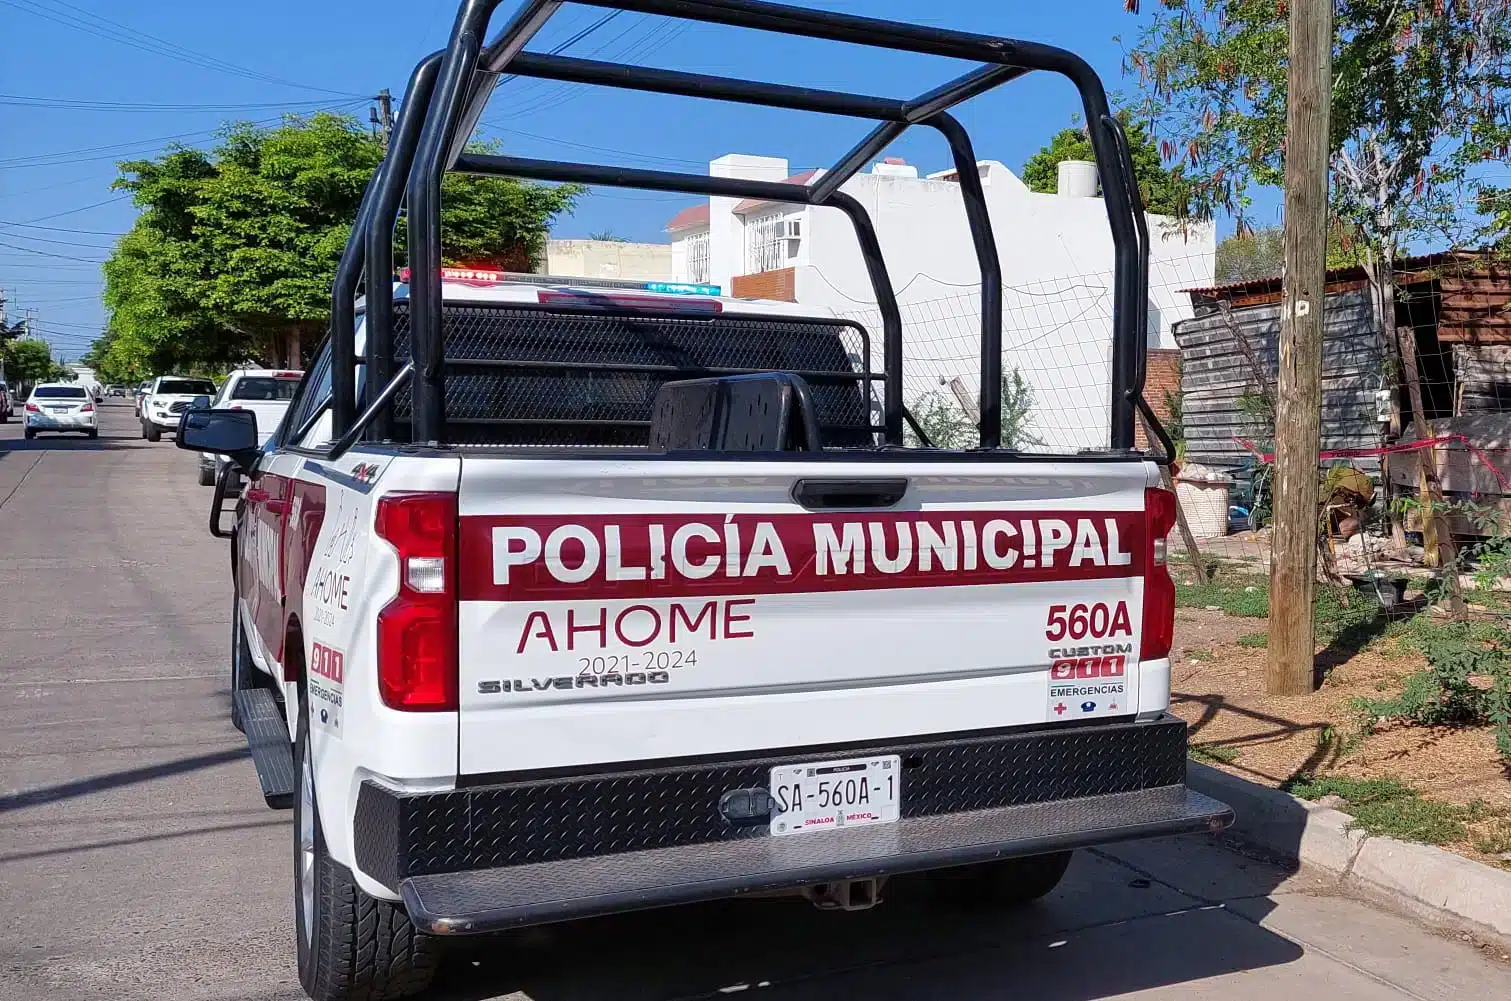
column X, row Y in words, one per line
column 445, row 98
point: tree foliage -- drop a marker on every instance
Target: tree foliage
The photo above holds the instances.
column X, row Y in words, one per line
column 30, row 360
column 1163, row 190
column 1255, row 253
column 1418, row 90
column 1260, row 253
column 947, row 425
column 234, row 252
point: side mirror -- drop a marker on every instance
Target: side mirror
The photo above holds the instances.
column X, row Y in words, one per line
column 200, row 403
column 230, row 433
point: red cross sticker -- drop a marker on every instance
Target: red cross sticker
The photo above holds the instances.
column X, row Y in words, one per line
column 1060, row 709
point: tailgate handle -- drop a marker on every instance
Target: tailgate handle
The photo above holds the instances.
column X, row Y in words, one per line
column 821, row 494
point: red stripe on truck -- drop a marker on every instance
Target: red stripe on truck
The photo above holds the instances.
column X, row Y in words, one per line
column 527, row 558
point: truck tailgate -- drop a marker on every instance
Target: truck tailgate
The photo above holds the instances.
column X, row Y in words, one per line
column 619, row 611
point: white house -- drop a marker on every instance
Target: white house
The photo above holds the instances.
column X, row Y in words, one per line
column 1056, row 255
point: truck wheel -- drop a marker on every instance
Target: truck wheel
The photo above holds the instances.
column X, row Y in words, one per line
column 151, row 433
column 1009, row 882
column 351, row 945
column 207, row 476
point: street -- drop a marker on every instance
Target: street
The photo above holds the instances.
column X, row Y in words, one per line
column 137, row 859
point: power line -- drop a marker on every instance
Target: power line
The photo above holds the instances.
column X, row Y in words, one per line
column 594, row 149
column 123, row 34
column 61, row 229
column 82, row 208
column 79, row 155
column 60, row 243
column 44, row 253
column 91, row 178
column 124, row 107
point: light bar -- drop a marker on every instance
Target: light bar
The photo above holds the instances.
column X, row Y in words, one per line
column 484, row 276
column 682, row 288
column 469, row 276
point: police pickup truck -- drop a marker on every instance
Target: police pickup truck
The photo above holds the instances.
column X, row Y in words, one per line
column 556, row 599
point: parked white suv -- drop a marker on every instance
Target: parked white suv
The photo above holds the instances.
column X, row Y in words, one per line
column 167, row 398
column 265, row 392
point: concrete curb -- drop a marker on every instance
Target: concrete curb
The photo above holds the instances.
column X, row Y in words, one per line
column 1435, row 883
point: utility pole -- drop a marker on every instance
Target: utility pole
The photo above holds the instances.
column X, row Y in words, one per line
column 1293, row 554
column 382, row 116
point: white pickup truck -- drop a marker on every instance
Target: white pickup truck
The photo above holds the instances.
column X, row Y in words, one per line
column 266, row 392
column 554, row 600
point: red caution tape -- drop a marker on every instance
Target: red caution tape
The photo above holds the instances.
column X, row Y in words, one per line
column 1402, row 446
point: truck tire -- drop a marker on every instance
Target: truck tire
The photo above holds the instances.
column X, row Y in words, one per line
column 351, row 946
column 1004, row 883
column 150, row 432
column 206, row 476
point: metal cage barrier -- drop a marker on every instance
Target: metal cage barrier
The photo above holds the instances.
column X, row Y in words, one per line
column 449, row 89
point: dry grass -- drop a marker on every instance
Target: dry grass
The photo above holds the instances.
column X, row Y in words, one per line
column 1274, row 740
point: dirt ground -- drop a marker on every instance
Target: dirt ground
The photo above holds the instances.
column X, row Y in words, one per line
column 1217, row 685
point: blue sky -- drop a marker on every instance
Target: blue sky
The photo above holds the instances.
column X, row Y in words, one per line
column 78, row 93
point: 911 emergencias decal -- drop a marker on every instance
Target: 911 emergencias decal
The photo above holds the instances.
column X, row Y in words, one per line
column 1090, row 679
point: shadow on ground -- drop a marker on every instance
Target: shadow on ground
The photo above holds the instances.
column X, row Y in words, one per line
column 1112, row 928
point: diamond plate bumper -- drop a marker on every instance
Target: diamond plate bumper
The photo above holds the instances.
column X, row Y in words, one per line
column 653, row 835
column 465, row 903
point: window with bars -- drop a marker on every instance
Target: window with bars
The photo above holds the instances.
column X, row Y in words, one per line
column 697, row 257
column 766, row 241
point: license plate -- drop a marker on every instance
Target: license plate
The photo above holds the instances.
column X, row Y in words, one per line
column 57, row 410
column 826, row 795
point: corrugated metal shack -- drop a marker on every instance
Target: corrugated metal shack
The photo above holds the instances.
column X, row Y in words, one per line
column 1458, row 305
column 1217, row 375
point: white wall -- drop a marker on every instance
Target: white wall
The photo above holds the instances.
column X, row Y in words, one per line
column 1056, row 255
column 609, row 259
column 726, row 231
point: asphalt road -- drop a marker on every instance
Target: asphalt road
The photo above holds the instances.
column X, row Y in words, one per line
column 137, row 859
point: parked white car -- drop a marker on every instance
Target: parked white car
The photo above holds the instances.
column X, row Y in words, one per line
column 266, row 392
column 167, row 398
column 60, row 406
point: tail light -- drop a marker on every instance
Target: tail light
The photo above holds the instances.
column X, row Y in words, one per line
column 1159, row 588
column 32, row 408
column 417, row 640
column 88, row 408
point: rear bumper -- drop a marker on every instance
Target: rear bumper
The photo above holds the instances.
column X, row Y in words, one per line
column 60, row 424
column 540, row 850
column 463, row 903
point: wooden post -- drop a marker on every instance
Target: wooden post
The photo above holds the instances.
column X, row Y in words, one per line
column 1438, row 548
column 1198, row 563
column 1293, row 558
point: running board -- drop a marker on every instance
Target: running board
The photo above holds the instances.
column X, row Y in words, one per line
column 485, row 900
column 268, row 739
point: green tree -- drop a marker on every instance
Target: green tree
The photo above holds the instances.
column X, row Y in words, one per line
column 1250, row 254
column 235, row 249
column 1260, row 253
column 947, row 425
column 1163, row 190
column 1414, row 84
column 30, row 360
